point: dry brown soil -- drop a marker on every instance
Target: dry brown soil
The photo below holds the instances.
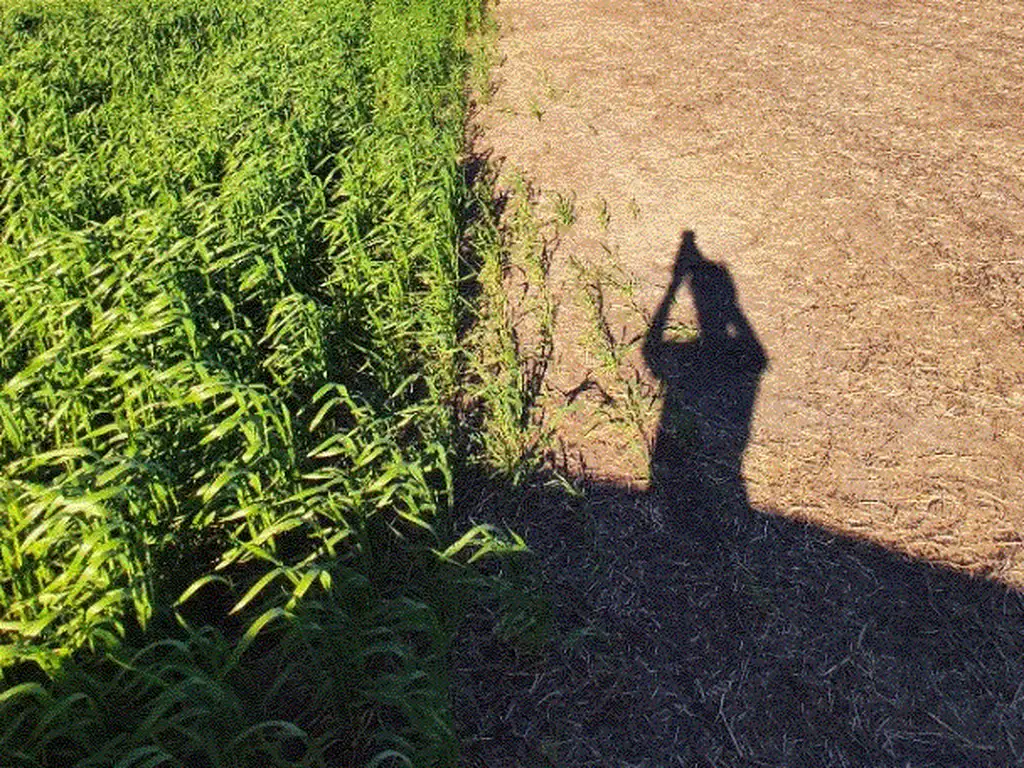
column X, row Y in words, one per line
column 859, row 169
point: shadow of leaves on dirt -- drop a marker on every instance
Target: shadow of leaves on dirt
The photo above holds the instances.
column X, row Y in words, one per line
column 691, row 629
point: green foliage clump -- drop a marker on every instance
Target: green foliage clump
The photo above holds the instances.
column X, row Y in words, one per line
column 228, row 286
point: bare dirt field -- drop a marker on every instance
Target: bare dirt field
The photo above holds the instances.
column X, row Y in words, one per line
column 859, row 169
column 856, row 172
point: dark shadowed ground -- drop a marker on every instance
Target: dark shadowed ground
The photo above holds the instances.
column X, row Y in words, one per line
column 777, row 644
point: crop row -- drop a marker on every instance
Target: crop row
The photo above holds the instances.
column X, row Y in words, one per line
column 228, row 265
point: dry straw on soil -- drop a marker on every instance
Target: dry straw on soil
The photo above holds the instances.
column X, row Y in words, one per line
column 855, row 167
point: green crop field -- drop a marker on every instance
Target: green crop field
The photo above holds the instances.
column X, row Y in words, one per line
column 229, row 236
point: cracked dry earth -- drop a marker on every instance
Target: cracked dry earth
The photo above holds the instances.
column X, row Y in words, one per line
column 858, row 167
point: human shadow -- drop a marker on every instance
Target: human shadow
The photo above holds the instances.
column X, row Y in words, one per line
column 673, row 636
column 709, row 385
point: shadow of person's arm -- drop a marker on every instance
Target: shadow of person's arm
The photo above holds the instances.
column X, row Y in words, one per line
column 746, row 343
column 654, row 349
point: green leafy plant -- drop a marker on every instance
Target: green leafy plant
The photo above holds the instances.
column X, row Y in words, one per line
column 229, row 240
